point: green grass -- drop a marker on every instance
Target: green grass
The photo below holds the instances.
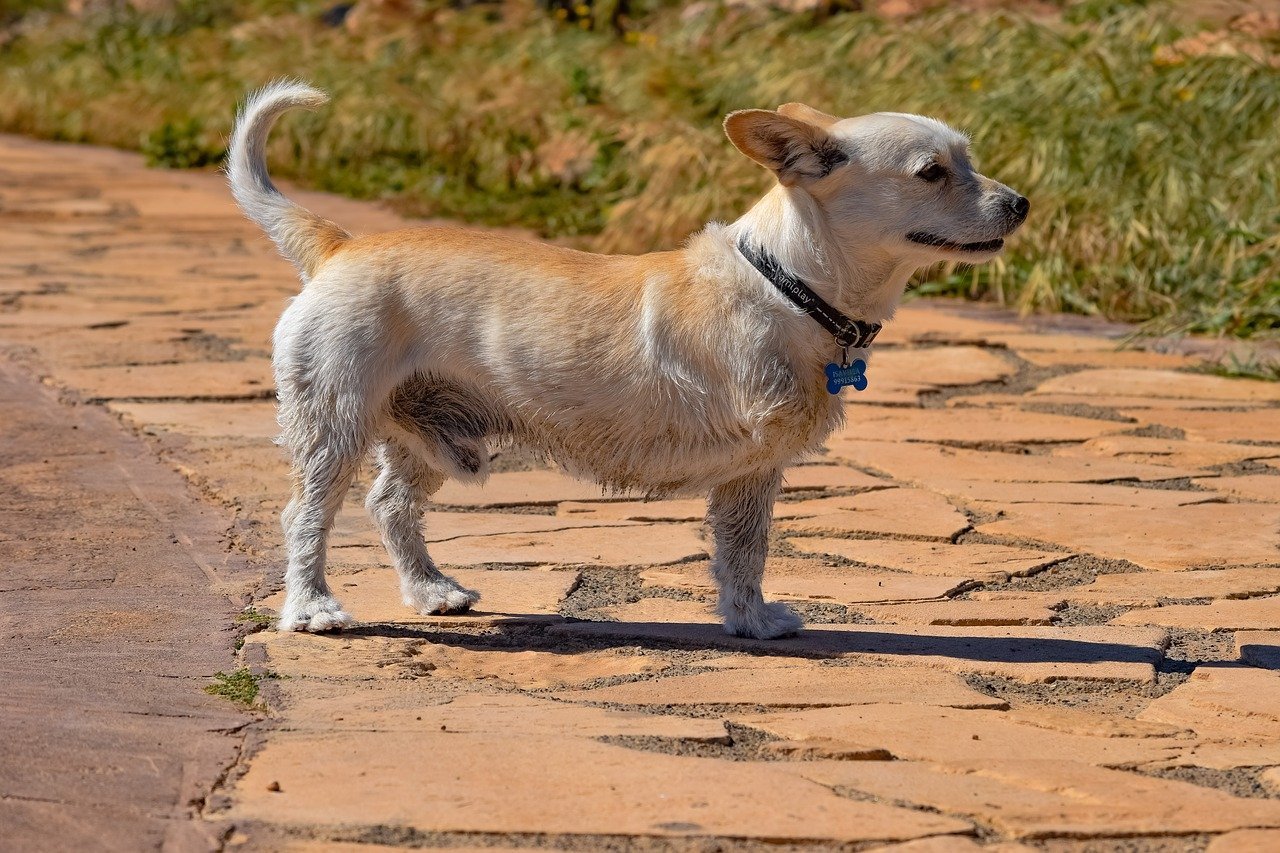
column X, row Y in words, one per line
column 1153, row 177
column 239, row 686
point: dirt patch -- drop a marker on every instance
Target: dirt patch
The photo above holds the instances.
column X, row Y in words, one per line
column 1125, row 698
column 740, row 743
column 1074, row 571
column 1238, row 782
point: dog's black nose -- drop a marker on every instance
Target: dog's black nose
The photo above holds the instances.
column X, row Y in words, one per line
column 1020, row 206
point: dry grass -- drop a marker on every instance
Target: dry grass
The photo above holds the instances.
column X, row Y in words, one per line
column 1151, row 167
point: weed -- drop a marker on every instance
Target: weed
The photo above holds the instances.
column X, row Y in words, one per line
column 239, row 686
column 1152, row 169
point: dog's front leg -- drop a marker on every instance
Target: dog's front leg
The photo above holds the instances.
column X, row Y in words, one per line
column 739, row 513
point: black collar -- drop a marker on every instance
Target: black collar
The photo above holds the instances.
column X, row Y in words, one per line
column 849, row 333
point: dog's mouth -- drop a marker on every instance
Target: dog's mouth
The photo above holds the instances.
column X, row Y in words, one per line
column 935, row 242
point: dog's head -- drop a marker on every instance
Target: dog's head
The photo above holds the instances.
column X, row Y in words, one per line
column 899, row 183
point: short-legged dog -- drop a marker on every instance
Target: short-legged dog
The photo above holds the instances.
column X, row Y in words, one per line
column 700, row 370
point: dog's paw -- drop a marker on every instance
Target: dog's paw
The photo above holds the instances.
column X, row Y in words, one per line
column 314, row 615
column 442, row 597
column 762, row 621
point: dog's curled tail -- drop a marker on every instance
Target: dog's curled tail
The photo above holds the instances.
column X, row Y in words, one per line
column 301, row 236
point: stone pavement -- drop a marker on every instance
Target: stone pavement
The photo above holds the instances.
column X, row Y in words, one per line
column 1041, row 572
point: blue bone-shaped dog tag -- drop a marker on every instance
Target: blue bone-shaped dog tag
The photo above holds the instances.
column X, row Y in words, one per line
column 855, row 374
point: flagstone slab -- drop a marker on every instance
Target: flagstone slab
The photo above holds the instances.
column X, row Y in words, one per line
column 639, row 545
column 922, row 733
column 1253, row 487
column 800, row 478
column 926, row 464
column 256, row 419
column 427, row 704
column 544, row 789
column 882, row 423
column 1225, row 703
column 372, row 658
column 648, row 512
column 1183, row 455
column 1044, row 798
column 911, row 512
column 1259, row 648
column 1109, row 359
column 989, row 496
column 1234, row 615
column 373, row 595
column 516, row 488
column 810, row 580
column 353, row 527
column 952, row 844
column 250, row 378
column 1259, row 424
column 1162, row 384
column 1177, row 538
column 1135, row 589
column 798, row 684
column 1246, row 841
column 1118, row 403
column 976, row 561
column 1025, row 653
column 1003, row 612
column 938, row 366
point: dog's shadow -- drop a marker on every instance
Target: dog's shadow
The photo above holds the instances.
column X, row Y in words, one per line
column 570, row 637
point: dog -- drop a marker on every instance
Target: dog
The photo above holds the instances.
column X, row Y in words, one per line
column 674, row 372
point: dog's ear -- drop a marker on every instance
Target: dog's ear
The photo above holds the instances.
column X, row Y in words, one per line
column 807, row 114
column 795, row 150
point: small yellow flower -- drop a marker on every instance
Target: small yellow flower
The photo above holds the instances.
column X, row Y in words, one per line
column 562, row 13
column 584, row 23
column 975, row 84
column 1184, row 94
column 631, row 37
column 582, row 10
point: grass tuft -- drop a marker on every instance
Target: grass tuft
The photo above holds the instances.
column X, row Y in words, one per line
column 1143, row 135
column 239, row 686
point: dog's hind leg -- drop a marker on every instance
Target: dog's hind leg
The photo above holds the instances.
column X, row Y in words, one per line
column 739, row 513
column 321, row 479
column 397, row 502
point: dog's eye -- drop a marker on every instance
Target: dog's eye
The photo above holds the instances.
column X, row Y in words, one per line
column 932, row 173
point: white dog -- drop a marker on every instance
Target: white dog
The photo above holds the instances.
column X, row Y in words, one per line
column 705, row 369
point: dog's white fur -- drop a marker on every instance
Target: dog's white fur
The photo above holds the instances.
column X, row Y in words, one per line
column 666, row 373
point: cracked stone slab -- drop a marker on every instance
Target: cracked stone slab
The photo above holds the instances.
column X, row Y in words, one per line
column 881, row 423
column 373, row 595
column 353, row 528
column 1135, row 589
column 911, row 512
column 515, row 488
column 1224, row 703
column 810, row 580
column 1112, row 359
column 584, row 546
column 911, row 732
column 990, row 496
column 794, row 683
column 965, row 612
column 1161, row 384
column 454, row 790
column 937, row 366
column 927, row 464
column 1187, row 456
column 1261, row 424
column 1259, row 648
column 1024, row 653
column 1253, row 487
column 1232, row 615
column 249, row 378
column 255, row 420
column 1044, row 798
column 1246, row 841
column 1174, row 539
column 974, row 561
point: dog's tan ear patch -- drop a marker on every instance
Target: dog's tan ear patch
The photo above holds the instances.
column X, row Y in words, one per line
column 795, row 150
column 807, row 114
